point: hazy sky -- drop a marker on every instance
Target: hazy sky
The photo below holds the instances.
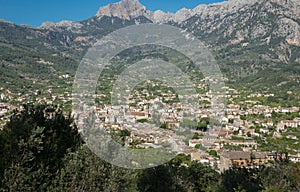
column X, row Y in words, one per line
column 34, row 12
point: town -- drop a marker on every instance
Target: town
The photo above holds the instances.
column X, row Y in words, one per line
column 249, row 134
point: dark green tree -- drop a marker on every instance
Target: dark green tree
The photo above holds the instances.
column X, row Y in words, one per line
column 281, row 177
column 240, row 178
column 157, row 179
column 25, row 173
column 84, row 171
column 58, row 136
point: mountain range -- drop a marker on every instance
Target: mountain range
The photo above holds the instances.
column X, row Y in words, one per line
column 256, row 42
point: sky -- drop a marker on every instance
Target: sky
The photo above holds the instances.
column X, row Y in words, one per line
column 35, row 12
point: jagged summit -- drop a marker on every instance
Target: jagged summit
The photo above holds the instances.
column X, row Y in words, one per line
column 130, row 9
column 125, row 9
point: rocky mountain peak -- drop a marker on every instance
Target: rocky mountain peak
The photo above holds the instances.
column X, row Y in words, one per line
column 125, row 9
column 130, row 9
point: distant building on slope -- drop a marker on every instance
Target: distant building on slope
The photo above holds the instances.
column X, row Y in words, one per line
column 241, row 159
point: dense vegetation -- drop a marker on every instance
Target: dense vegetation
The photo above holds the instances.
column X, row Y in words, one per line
column 41, row 150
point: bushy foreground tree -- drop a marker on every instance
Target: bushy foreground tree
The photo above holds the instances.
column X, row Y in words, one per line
column 33, row 144
column 84, row 171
